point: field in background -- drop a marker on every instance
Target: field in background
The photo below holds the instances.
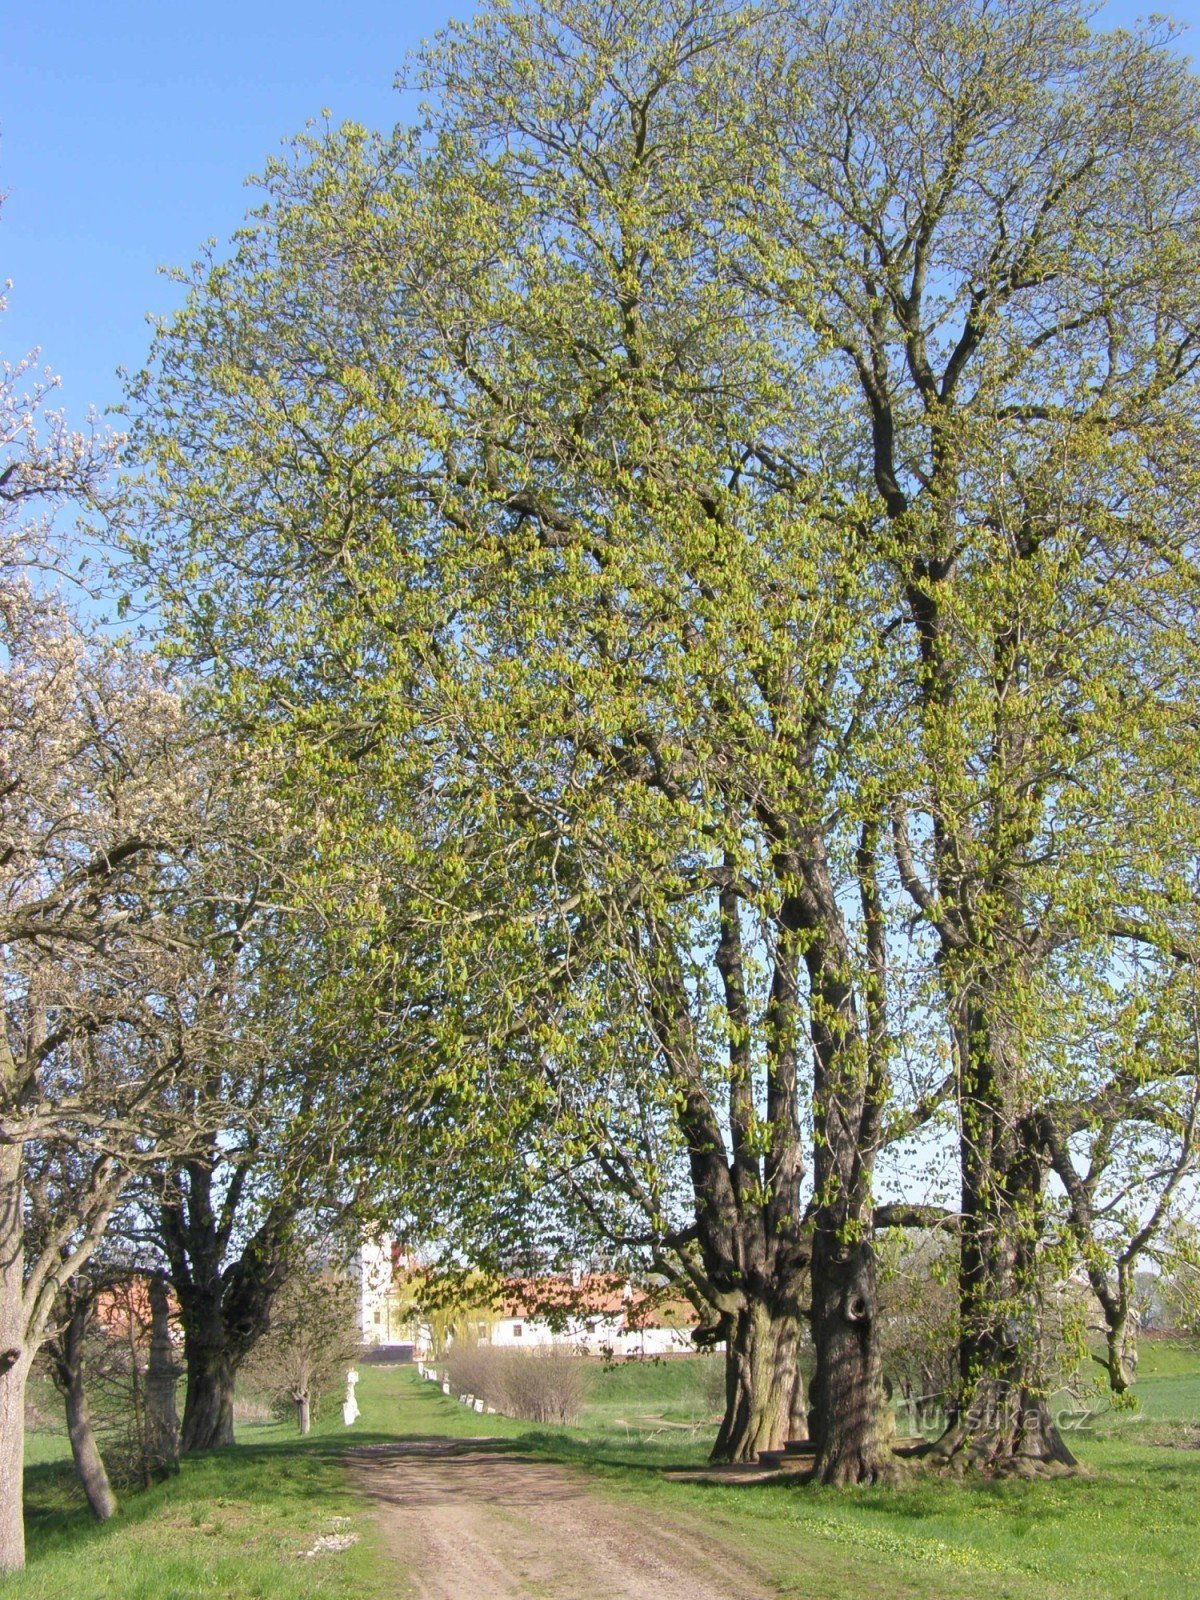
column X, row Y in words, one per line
column 239, row 1523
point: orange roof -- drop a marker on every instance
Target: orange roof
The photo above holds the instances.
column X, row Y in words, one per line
column 125, row 1308
column 594, row 1294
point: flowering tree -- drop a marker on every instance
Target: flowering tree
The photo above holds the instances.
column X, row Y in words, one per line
column 111, row 809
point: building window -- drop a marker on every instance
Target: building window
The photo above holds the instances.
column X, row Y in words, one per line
column 378, row 1317
column 518, row 1330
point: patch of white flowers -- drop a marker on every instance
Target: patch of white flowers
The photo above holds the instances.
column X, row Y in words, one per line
column 331, row 1543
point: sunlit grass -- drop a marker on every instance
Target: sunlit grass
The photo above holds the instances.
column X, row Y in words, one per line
column 238, row 1522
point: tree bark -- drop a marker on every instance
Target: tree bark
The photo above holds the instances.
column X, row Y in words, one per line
column 12, row 1462
column 89, row 1463
column 66, row 1351
column 208, row 1405
column 849, row 1408
column 15, row 1361
column 849, row 1413
column 1004, row 1422
column 224, row 1306
column 764, row 1387
column 303, row 1415
column 1120, row 1352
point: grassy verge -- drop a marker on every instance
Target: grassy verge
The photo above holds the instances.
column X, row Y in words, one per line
column 235, row 1523
column 238, row 1522
column 1125, row 1531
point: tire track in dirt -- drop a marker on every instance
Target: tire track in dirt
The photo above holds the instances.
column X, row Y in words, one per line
column 466, row 1519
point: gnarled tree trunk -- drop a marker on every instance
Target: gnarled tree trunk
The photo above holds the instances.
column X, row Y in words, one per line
column 764, row 1387
column 224, row 1306
column 1003, row 1422
column 849, row 1408
column 208, row 1404
column 849, row 1415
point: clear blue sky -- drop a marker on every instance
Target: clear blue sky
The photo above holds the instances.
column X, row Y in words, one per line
column 128, row 127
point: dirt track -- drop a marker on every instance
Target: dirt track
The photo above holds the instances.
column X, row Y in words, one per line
column 468, row 1520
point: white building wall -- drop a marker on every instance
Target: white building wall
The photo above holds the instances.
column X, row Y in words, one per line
column 598, row 1336
column 374, row 1273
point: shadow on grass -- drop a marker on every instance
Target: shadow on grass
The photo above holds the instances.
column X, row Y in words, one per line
column 549, row 1445
column 57, row 1517
column 285, row 1472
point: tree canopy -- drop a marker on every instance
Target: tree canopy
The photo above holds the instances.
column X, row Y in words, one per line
column 709, row 517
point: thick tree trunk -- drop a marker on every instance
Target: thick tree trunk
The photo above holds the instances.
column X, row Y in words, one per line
column 1007, row 1429
column 303, row 1418
column 12, row 1462
column 224, row 1306
column 208, row 1406
column 1004, row 1422
column 764, row 1388
column 15, row 1359
column 849, row 1414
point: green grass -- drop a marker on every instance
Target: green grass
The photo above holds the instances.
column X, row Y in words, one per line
column 1125, row 1531
column 1168, row 1358
column 236, row 1523
column 647, row 1400
column 232, row 1524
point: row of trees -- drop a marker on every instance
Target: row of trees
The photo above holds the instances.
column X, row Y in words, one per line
column 691, row 552
column 165, row 1106
column 709, row 518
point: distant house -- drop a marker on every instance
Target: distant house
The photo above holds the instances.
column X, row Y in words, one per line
column 125, row 1312
column 600, row 1314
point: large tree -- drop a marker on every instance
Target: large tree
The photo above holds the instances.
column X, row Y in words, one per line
column 487, row 413
column 717, row 490
column 1001, row 231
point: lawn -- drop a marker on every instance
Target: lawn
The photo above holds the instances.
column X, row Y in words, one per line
column 238, row 1523
column 1126, row 1530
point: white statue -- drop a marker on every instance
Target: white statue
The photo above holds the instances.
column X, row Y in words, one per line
column 350, row 1404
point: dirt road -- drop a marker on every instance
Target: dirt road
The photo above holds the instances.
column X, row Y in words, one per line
column 469, row 1520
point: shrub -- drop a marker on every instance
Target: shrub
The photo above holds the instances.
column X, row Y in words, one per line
column 477, row 1369
column 547, row 1385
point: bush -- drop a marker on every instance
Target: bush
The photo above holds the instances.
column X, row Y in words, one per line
column 546, row 1385
column 477, row 1369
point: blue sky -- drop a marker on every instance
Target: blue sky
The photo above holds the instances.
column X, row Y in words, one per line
column 126, row 132
column 127, row 129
